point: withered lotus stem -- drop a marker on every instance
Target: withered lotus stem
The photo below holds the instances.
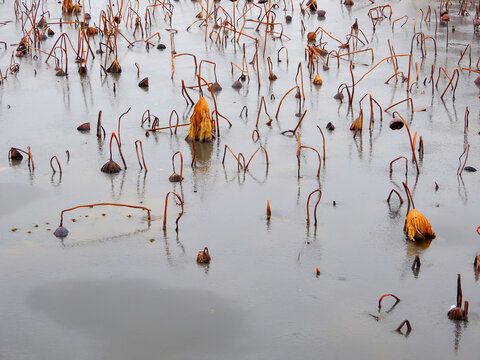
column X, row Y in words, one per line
column 269, row 212
column 386, row 295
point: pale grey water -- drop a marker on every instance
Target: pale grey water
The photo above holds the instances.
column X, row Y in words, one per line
column 108, row 292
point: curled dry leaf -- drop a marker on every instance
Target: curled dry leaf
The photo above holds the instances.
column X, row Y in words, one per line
column 417, row 226
column 317, row 80
column 357, row 125
column 200, row 122
column 115, row 68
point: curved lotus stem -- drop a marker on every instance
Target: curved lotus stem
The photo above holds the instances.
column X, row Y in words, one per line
column 235, row 156
column 383, row 296
column 181, row 163
column 408, row 99
column 393, row 191
column 284, row 96
column 278, row 53
column 410, row 138
column 399, row 158
column 58, row 163
column 255, row 132
column 183, row 54
column 119, row 149
column 318, row 154
column 104, row 204
column 460, row 168
column 296, row 127
column 316, row 204
column 165, row 211
column 138, row 143
column 400, row 18
column 245, row 108
column 251, row 157
column 262, row 101
column 209, row 62
column 404, row 322
column 409, row 197
column 119, row 141
column 300, row 71
column 170, row 121
column 323, row 137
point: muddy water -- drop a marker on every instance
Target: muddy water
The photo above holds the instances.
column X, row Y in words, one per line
column 120, row 288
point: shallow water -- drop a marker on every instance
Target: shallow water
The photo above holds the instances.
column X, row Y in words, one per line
column 119, row 288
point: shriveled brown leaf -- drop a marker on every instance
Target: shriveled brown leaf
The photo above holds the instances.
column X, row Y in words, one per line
column 200, row 122
column 357, row 125
column 317, row 80
column 417, row 226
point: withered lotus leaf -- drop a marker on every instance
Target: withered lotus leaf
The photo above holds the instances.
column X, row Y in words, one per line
column 14, row 154
column 417, row 226
column 111, row 167
column 317, row 80
column 175, row 178
column 115, row 68
column 200, row 122
column 84, row 127
column 203, row 256
column 357, row 125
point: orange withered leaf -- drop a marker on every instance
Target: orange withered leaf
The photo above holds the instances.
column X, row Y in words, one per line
column 317, row 80
column 357, row 125
column 417, row 226
column 200, row 122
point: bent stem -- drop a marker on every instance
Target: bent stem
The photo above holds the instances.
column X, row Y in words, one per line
column 318, row 154
column 181, row 164
column 119, row 141
column 410, row 138
column 138, row 144
column 397, row 159
column 251, row 157
column 393, row 191
column 316, row 204
column 407, row 323
column 104, row 204
column 165, row 211
column 466, row 150
column 409, row 197
column 384, row 296
column 323, row 137
column 119, row 149
column 58, row 163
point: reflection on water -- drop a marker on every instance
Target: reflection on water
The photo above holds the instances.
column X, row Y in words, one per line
column 138, row 319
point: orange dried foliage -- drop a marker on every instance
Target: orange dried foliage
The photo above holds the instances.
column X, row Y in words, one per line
column 417, row 226
column 200, row 122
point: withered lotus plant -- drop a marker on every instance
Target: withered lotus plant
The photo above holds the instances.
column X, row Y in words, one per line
column 115, row 68
column 416, row 226
column 456, row 312
column 203, row 256
column 357, row 125
column 177, row 177
column 317, row 80
column 14, row 154
column 200, row 122
column 63, row 231
column 111, row 167
column 165, row 211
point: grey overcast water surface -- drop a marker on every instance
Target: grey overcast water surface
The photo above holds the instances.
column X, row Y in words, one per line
column 118, row 288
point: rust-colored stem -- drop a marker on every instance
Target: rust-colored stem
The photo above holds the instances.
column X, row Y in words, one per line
column 104, row 204
column 316, row 204
column 384, row 296
column 165, row 211
column 58, row 163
